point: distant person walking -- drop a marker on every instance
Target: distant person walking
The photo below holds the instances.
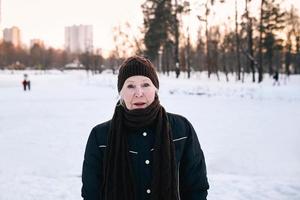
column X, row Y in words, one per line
column 26, row 83
column 276, row 78
column 177, row 70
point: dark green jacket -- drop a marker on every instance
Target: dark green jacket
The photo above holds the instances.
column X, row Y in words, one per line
column 193, row 184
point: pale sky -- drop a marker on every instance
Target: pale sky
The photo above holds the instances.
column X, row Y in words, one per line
column 46, row 19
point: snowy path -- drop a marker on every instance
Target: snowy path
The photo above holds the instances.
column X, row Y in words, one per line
column 250, row 134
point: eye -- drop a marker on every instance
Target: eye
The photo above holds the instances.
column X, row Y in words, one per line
column 146, row 85
column 130, row 86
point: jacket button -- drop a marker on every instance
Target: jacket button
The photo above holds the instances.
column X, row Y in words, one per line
column 148, row 191
column 147, row 162
column 144, row 134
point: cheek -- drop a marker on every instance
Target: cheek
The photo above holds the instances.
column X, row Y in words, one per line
column 126, row 96
column 150, row 95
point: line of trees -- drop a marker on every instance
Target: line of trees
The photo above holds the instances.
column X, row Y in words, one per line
column 268, row 43
column 42, row 58
column 247, row 43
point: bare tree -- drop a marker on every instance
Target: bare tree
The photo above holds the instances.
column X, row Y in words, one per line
column 208, row 6
column 237, row 37
column 250, row 53
column 126, row 43
column 292, row 30
column 260, row 55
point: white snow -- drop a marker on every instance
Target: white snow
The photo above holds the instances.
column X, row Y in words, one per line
column 249, row 132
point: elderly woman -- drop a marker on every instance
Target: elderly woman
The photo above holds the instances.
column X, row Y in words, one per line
column 143, row 152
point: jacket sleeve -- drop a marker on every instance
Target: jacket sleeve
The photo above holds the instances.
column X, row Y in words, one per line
column 91, row 170
column 193, row 184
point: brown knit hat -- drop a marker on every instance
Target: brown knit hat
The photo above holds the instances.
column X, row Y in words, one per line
column 134, row 66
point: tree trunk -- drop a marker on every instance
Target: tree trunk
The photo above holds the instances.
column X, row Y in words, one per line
column 188, row 56
column 260, row 56
column 176, row 36
column 237, row 45
column 288, row 59
column 207, row 41
column 297, row 67
column 250, row 49
column 250, row 42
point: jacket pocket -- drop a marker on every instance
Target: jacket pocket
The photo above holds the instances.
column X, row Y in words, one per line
column 179, row 147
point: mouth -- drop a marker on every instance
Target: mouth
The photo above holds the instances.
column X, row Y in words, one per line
column 139, row 104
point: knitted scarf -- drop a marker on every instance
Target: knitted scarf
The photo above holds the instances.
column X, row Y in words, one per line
column 118, row 183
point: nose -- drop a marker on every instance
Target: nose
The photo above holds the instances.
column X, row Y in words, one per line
column 138, row 92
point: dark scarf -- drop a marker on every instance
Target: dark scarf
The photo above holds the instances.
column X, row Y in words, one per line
column 118, row 183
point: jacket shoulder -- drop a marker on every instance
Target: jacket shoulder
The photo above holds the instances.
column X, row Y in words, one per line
column 176, row 118
column 100, row 131
column 102, row 126
column 180, row 126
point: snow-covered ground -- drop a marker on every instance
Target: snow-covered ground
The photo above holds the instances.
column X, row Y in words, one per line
column 249, row 132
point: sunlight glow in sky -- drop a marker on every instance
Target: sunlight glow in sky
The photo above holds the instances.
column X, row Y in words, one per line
column 46, row 19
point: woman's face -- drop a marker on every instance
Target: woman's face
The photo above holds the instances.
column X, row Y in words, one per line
column 138, row 92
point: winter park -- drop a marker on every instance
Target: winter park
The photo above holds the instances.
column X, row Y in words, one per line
column 249, row 132
column 230, row 68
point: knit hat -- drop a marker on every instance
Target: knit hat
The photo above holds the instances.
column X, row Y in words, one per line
column 135, row 66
